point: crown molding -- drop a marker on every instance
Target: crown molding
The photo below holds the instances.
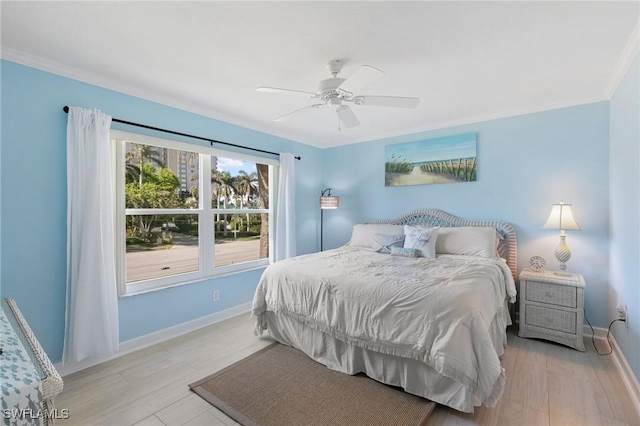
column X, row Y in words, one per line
column 472, row 119
column 53, row 67
column 42, row 64
column 112, row 84
column 629, row 54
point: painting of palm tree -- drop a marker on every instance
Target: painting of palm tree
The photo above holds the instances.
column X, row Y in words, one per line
column 442, row 160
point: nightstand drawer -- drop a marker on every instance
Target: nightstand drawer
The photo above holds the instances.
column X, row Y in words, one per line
column 552, row 294
column 551, row 318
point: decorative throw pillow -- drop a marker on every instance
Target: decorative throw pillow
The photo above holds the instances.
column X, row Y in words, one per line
column 423, row 239
column 387, row 242
column 363, row 234
column 405, row 252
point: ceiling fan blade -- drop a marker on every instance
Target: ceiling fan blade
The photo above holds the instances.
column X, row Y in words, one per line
column 286, row 91
column 361, row 78
column 284, row 117
column 347, row 117
column 387, row 101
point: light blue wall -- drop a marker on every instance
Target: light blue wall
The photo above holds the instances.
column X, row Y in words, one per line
column 525, row 164
column 33, row 206
column 624, row 188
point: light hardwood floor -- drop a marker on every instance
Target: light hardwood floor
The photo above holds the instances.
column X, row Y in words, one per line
column 547, row 384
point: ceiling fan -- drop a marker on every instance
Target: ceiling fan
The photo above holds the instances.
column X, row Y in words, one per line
column 336, row 92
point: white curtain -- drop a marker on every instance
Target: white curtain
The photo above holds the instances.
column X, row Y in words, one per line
column 286, row 210
column 91, row 328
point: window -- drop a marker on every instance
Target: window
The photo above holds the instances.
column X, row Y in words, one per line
column 175, row 227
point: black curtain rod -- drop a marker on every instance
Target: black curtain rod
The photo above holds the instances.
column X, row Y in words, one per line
column 212, row 141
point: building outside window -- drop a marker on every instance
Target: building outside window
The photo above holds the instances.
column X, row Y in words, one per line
column 175, row 227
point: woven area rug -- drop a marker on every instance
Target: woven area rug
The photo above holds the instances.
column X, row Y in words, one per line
column 281, row 386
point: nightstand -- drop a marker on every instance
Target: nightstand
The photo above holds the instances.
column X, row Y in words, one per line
column 551, row 307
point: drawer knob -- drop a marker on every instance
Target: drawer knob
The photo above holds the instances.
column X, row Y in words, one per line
column 549, row 294
column 549, row 320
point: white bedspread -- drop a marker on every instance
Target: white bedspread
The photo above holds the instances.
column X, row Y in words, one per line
column 437, row 311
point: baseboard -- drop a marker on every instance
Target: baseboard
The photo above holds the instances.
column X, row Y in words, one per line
column 154, row 338
column 628, row 378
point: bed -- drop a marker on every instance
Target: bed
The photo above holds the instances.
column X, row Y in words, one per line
column 434, row 325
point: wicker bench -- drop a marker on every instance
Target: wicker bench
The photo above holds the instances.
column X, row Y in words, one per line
column 51, row 380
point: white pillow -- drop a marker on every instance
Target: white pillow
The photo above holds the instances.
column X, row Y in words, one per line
column 469, row 241
column 423, row 239
column 363, row 235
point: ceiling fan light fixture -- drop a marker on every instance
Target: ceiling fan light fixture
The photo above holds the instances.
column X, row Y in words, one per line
column 333, row 91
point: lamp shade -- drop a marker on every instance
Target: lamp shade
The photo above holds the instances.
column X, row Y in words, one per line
column 561, row 217
column 329, row 202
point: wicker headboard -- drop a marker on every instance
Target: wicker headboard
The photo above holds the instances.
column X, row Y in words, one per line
column 433, row 217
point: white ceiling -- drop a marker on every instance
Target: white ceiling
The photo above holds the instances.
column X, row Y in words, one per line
column 467, row 61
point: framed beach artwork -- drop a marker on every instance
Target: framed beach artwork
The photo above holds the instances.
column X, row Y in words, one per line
column 442, row 160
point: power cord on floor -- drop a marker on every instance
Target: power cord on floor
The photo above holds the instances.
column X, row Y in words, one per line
column 593, row 335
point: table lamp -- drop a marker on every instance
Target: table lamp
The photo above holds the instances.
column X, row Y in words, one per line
column 561, row 218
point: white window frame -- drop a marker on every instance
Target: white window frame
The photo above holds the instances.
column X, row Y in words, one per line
column 205, row 212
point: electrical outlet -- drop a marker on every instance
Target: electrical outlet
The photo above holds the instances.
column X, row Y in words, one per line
column 216, row 295
column 622, row 312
